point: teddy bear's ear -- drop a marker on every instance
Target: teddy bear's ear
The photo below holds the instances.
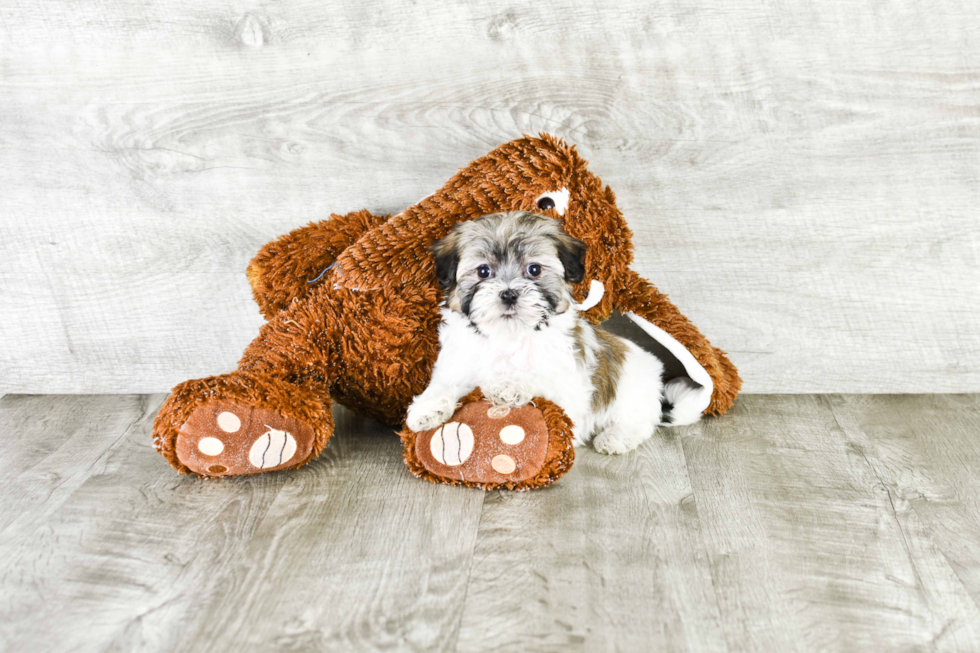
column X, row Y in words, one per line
column 571, row 253
column 446, row 252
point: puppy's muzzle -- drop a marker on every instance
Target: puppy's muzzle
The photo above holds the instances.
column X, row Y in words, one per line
column 509, row 297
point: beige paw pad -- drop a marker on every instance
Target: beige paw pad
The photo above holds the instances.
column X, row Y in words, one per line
column 210, row 446
column 452, row 444
column 512, row 434
column 229, row 422
column 498, row 412
column 503, row 464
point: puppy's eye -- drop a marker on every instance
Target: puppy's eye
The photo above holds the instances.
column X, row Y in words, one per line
column 484, row 272
column 554, row 200
column 533, row 270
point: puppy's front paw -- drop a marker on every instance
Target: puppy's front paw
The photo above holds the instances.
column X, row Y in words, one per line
column 614, row 441
column 429, row 412
column 508, row 393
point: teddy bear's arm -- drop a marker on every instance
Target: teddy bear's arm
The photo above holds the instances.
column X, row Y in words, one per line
column 640, row 297
column 285, row 269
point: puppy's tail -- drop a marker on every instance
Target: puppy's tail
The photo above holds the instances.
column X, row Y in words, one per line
column 681, row 401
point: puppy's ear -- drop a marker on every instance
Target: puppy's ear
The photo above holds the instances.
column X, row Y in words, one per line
column 571, row 253
column 446, row 252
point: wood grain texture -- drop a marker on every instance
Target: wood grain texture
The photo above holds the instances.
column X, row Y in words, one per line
column 802, row 179
column 794, row 523
column 358, row 556
column 609, row 559
column 925, row 453
column 348, row 553
column 808, row 549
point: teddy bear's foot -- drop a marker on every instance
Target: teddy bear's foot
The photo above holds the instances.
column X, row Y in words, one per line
column 238, row 424
column 494, row 447
column 227, row 438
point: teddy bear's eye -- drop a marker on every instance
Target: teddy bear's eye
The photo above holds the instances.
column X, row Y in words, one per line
column 484, row 271
column 553, row 200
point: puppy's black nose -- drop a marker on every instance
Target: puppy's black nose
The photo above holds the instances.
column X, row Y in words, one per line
column 509, row 297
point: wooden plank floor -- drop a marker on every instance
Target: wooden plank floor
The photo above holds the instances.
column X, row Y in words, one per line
column 795, row 523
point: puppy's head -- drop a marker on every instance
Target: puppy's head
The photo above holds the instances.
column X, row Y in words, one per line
column 509, row 271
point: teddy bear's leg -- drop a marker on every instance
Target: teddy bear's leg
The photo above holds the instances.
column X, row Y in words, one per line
column 707, row 366
column 494, row 447
column 272, row 413
column 292, row 265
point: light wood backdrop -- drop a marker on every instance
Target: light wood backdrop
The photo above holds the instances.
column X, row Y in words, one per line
column 803, row 178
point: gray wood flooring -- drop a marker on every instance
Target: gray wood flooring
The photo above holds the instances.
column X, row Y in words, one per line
column 795, row 523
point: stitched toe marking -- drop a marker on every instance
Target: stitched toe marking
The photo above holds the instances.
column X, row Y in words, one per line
column 452, row 444
column 272, row 448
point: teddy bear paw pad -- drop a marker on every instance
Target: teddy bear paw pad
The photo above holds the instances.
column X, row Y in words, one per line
column 226, row 438
column 486, row 444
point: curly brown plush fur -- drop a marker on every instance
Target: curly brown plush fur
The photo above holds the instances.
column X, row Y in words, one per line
column 365, row 333
column 285, row 270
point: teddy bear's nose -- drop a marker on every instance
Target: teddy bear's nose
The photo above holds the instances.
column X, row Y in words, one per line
column 509, row 297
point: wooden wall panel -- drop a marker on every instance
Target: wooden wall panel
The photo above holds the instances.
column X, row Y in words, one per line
column 802, row 179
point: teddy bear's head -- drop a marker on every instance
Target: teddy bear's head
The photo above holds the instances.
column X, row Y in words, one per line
column 547, row 176
column 543, row 175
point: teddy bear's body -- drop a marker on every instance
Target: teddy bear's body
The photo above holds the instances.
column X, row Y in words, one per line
column 352, row 305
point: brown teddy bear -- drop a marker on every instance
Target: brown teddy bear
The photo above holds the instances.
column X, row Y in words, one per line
column 352, row 308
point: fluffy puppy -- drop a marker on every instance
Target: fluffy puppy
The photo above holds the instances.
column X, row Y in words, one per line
column 510, row 327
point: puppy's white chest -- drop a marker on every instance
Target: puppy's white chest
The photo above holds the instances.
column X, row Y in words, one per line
column 541, row 363
column 541, row 360
column 522, row 358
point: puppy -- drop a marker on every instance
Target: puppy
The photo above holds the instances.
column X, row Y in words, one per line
column 510, row 327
